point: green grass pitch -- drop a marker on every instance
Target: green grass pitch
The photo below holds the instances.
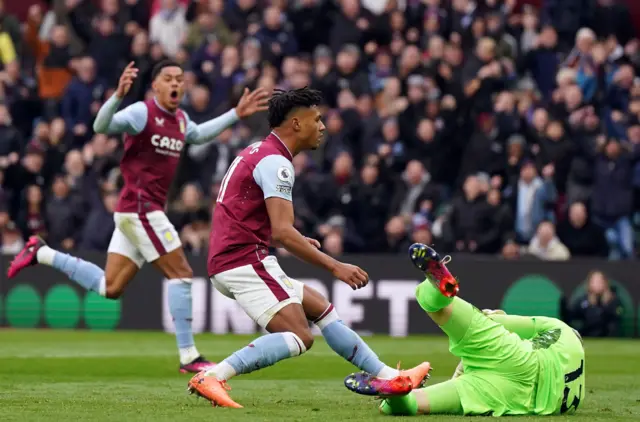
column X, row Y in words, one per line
column 132, row 376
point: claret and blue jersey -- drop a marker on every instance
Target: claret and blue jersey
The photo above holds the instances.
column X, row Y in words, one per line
column 154, row 140
column 241, row 229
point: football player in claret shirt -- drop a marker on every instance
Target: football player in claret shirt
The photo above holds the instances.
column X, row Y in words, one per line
column 253, row 211
column 155, row 133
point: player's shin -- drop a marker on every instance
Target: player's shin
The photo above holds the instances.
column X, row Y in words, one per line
column 262, row 352
column 430, row 298
column 348, row 344
column 179, row 297
column 400, row 406
column 85, row 273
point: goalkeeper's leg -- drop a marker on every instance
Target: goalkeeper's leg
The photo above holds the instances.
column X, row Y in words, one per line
column 452, row 314
column 440, row 398
column 479, row 341
column 499, row 372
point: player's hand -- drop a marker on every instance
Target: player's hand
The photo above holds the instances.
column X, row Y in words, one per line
column 313, row 242
column 252, row 102
column 126, row 80
column 354, row 276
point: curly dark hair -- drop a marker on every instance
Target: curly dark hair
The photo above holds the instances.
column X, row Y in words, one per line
column 284, row 102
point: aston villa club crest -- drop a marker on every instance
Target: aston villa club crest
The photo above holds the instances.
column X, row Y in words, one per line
column 182, row 127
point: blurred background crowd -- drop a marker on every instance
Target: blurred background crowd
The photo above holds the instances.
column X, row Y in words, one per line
column 480, row 126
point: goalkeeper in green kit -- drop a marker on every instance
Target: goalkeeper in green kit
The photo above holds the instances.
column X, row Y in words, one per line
column 510, row 365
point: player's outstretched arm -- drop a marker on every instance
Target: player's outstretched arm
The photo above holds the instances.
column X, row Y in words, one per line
column 283, row 232
column 275, row 175
column 250, row 103
column 524, row 327
column 132, row 119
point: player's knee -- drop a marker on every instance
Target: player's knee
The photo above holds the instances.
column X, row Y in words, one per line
column 113, row 290
column 174, row 265
column 183, row 272
column 187, row 273
column 306, row 337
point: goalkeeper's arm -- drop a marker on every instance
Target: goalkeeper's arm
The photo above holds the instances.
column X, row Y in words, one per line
column 524, row 327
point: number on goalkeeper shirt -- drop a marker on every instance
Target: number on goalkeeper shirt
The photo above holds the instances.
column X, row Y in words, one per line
column 568, row 379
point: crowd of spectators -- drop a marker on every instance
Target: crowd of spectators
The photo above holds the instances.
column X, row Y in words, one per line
column 480, row 126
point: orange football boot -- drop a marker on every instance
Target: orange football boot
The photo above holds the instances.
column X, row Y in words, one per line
column 418, row 375
column 211, row 389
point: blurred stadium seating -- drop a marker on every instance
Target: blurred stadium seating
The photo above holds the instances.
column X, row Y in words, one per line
column 461, row 123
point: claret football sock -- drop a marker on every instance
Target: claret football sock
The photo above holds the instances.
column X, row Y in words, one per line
column 85, row 273
column 179, row 293
column 264, row 351
column 430, row 298
column 348, row 344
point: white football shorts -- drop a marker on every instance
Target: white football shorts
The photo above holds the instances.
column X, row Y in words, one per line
column 143, row 237
column 262, row 289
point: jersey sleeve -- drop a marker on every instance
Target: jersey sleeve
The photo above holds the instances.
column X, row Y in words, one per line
column 207, row 131
column 523, row 326
column 131, row 120
column 275, row 175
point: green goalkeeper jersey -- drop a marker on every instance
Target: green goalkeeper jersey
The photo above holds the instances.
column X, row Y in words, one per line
column 550, row 356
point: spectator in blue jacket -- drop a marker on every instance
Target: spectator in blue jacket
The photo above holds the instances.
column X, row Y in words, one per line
column 612, row 200
column 83, row 99
column 532, row 198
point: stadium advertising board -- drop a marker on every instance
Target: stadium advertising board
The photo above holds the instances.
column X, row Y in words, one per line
column 42, row 297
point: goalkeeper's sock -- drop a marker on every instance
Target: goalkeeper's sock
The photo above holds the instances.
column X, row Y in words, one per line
column 430, row 298
column 263, row 352
column 179, row 293
column 348, row 344
column 85, row 273
column 400, row 405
